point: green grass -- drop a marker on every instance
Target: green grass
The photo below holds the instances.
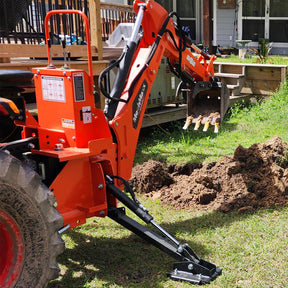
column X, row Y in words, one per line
column 243, row 126
column 251, row 249
column 275, row 60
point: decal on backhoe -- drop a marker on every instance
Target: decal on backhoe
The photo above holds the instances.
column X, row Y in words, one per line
column 86, row 114
column 138, row 103
column 53, row 88
column 191, row 60
column 78, row 82
column 68, row 123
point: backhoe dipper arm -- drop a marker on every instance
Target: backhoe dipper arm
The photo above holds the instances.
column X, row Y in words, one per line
column 137, row 69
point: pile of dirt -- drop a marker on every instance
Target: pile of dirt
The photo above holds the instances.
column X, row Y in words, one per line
column 252, row 178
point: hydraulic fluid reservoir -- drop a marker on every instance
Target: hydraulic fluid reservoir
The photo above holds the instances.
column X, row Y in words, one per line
column 65, row 106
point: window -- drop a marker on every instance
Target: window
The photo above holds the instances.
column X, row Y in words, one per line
column 265, row 19
column 254, row 8
column 186, row 8
column 167, row 4
column 278, row 8
column 278, row 31
column 253, row 29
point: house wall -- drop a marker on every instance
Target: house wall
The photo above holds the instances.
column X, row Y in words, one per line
column 225, row 28
column 279, row 50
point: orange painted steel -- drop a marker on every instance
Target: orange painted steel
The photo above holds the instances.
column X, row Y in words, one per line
column 71, row 129
column 198, row 68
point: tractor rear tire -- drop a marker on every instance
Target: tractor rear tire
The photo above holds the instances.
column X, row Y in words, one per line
column 29, row 225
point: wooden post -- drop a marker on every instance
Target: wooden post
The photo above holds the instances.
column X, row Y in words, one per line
column 95, row 26
column 207, row 30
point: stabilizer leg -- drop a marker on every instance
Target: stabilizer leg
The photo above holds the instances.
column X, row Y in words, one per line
column 189, row 267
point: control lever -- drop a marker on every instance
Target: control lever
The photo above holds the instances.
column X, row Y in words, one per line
column 63, row 42
column 49, row 47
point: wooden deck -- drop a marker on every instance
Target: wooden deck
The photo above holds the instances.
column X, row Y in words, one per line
column 259, row 79
column 27, row 64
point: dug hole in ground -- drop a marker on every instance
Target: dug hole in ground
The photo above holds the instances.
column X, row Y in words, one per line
column 253, row 178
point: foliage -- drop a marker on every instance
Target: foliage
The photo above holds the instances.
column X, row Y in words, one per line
column 263, row 51
column 254, row 58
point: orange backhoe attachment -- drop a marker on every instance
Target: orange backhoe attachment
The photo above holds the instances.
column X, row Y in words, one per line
column 85, row 155
column 206, row 97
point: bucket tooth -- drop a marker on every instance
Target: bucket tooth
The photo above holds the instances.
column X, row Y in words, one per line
column 188, row 122
column 208, row 98
column 198, row 122
column 207, row 123
column 217, row 125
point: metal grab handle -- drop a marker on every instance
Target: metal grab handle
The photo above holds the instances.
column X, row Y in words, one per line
column 86, row 21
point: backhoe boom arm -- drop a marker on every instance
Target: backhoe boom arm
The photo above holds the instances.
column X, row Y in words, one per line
column 155, row 35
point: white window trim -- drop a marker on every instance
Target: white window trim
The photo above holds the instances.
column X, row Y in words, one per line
column 214, row 20
column 197, row 19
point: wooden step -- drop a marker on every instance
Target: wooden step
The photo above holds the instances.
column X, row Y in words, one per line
column 234, row 89
column 234, row 81
column 228, row 75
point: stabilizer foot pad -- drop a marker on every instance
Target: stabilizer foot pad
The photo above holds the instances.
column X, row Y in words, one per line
column 194, row 273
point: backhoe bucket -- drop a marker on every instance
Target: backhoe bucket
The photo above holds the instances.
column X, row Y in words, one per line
column 207, row 104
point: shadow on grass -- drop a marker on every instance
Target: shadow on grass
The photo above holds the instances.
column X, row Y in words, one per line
column 129, row 261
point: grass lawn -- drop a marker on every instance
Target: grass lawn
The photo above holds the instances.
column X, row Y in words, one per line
column 252, row 249
column 272, row 59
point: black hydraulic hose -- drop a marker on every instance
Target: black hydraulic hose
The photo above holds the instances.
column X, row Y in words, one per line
column 104, row 72
column 120, row 80
column 127, row 187
column 153, row 50
column 175, row 72
column 134, row 207
column 179, row 88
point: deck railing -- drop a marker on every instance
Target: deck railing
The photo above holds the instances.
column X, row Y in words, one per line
column 22, row 22
column 112, row 15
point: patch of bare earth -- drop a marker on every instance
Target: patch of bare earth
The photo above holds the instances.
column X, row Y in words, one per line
column 255, row 177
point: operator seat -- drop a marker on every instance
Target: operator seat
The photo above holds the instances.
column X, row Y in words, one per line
column 12, row 86
column 15, row 78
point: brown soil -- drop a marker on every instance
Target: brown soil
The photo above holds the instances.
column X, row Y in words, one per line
column 252, row 178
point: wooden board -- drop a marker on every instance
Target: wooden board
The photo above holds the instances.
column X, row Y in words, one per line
column 22, row 50
column 163, row 115
column 263, row 73
column 260, row 79
column 28, row 64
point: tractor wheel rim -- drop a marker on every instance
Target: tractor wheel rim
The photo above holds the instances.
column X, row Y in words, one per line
column 12, row 251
